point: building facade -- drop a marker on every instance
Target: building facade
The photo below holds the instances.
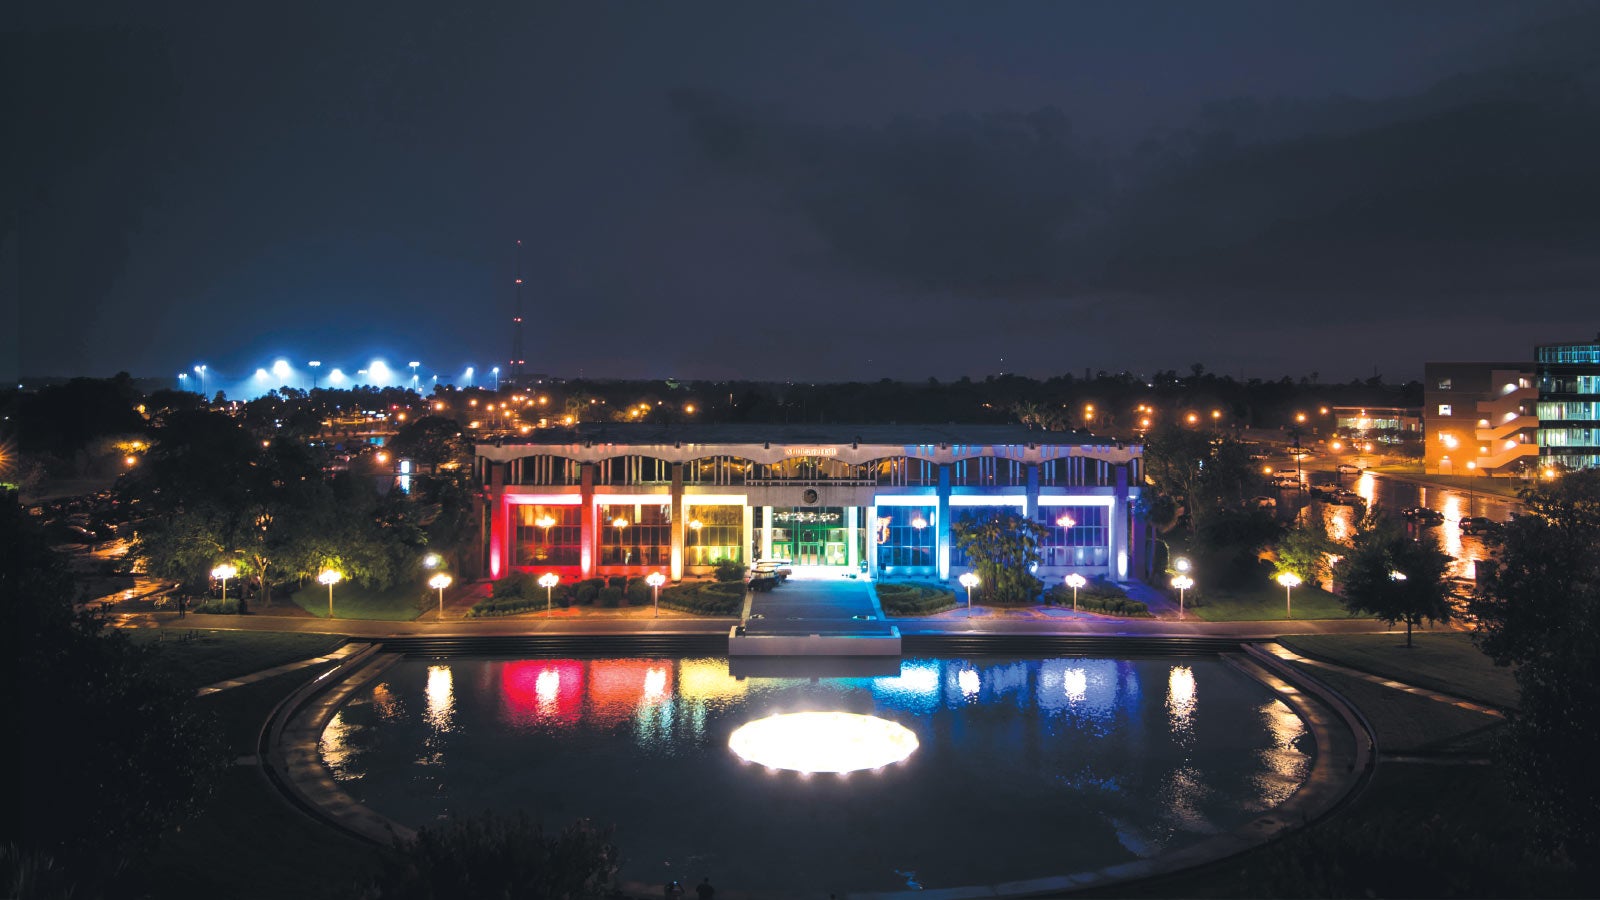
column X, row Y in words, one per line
column 1568, row 406
column 1380, row 424
column 879, row 500
column 1479, row 418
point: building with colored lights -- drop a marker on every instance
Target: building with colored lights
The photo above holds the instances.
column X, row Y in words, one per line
column 619, row 499
column 1479, row 418
column 1568, row 407
column 1383, row 424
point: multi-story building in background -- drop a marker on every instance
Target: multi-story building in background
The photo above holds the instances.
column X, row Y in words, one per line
column 1569, row 405
column 1479, row 418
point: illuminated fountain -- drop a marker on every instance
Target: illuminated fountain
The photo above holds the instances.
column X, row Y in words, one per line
column 823, row 742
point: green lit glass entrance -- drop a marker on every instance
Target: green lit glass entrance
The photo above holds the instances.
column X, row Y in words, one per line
column 814, row 536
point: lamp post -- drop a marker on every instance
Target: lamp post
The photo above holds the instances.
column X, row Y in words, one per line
column 314, row 366
column 330, row 578
column 1181, row 564
column 496, row 371
column 620, row 523
column 224, row 572
column 1075, row 581
column 431, row 561
column 1182, row 583
column 655, row 580
column 548, row 581
column 1290, row 581
column 969, row 581
column 439, row 582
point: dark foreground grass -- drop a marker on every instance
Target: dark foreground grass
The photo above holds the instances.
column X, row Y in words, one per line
column 250, row 842
column 1442, row 661
column 398, row 603
column 205, row 657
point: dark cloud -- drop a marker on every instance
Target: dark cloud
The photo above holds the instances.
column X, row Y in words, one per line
column 1480, row 188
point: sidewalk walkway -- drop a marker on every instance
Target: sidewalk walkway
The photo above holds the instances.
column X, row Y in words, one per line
column 344, row 651
column 1285, row 653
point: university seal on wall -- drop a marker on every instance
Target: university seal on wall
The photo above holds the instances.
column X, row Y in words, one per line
column 809, row 497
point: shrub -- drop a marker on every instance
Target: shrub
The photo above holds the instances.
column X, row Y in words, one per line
column 705, row 598
column 589, row 590
column 228, row 607
column 728, row 570
column 637, row 593
column 1098, row 596
column 617, row 581
column 914, row 598
column 517, row 584
column 493, row 856
column 610, row 597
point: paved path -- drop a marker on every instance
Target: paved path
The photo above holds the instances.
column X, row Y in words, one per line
column 808, row 598
column 253, row 677
column 1285, row 653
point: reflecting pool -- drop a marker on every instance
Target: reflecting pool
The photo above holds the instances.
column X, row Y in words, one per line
column 995, row 770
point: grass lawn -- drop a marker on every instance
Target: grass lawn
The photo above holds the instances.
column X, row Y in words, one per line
column 1265, row 603
column 400, row 603
column 250, row 842
column 1444, row 661
column 1406, row 723
column 212, row 656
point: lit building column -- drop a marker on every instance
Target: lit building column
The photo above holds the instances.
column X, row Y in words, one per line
column 851, row 524
column 587, row 533
column 679, row 529
column 749, row 534
column 942, row 551
column 499, row 513
column 872, row 542
column 1119, row 528
column 1030, row 509
column 766, row 532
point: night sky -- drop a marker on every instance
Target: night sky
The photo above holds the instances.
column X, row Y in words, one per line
column 796, row 190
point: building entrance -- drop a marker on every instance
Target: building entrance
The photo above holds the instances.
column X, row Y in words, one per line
column 814, row 536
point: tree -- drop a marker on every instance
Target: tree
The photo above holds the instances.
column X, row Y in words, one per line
column 1304, row 550
column 1539, row 609
column 431, row 442
column 1197, row 470
column 490, row 857
column 130, row 756
column 1389, row 575
column 1002, row 548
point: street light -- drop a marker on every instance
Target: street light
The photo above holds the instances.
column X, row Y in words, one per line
column 439, row 582
column 414, row 365
column 969, row 581
column 1181, row 564
column 1182, row 583
column 655, row 580
column 224, row 572
column 431, row 561
column 314, row 365
column 496, row 371
column 1290, row 581
column 548, row 581
column 330, row 578
column 1065, row 521
column 1076, row 581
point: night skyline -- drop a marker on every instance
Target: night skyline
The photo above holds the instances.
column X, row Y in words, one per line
column 827, row 193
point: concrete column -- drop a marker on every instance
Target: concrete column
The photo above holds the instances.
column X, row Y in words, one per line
column 766, row 532
column 749, row 534
column 1030, row 508
column 851, row 530
column 872, row 542
column 680, row 523
column 1120, row 563
column 588, row 533
column 499, row 516
column 942, row 547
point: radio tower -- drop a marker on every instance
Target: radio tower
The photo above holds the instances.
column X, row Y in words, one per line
column 516, row 362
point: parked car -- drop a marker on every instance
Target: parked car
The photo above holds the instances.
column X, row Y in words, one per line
column 1325, row 491
column 1479, row 525
column 1346, row 498
column 1263, row 502
column 1349, row 469
column 1423, row 516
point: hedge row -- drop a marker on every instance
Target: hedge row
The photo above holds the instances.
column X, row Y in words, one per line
column 715, row 598
column 914, row 598
column 1098, row 596
column 520, row 591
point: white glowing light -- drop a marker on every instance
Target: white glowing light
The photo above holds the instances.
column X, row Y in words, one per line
column 822, row 742
column 281, row 368
column 378, row 372
column 1076, row 682
column 336, row 375
column 261, row 375
column 968, row 681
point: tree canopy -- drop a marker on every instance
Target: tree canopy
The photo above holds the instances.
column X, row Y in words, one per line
column 1389, row 575
column 1002, row 548
column 1538, row 605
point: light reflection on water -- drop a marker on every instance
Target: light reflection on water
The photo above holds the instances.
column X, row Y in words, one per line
column 1069, row 745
